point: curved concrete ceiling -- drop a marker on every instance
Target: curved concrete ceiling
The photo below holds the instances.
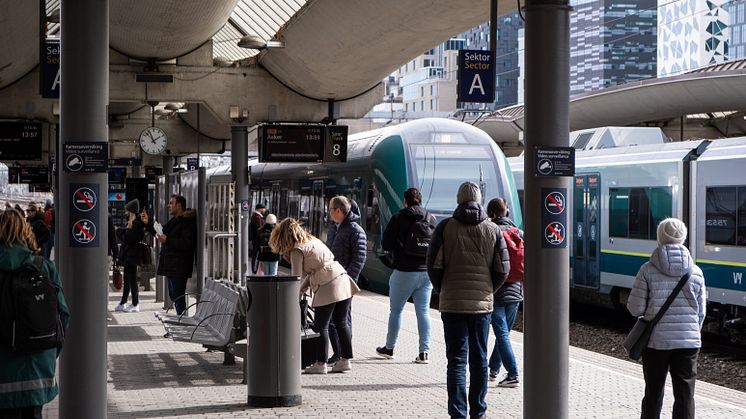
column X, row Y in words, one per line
column 659, row 99
column 339, row 48
column 165, row 29
column 19, row 39
column 161, row 29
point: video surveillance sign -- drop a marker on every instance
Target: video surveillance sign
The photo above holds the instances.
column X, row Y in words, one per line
column 476, row 76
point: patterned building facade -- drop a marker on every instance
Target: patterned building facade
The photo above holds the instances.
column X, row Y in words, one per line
column 692, row 34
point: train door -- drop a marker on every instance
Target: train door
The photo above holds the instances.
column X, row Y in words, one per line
column 586, row 220
column 318, row 209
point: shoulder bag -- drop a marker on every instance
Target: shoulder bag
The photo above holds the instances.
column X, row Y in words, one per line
column 638, row 338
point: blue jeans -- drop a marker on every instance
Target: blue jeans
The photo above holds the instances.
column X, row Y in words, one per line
column 270, row 268
column 402, row 285
column 176, row 290
column 466, row 338
column 503, row 318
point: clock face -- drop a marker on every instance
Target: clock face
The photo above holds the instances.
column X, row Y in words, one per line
column 153, row 140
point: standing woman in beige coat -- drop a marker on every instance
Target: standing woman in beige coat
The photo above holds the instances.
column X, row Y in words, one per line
column 332, row 289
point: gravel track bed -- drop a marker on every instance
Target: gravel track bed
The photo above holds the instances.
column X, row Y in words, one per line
column 602, row 330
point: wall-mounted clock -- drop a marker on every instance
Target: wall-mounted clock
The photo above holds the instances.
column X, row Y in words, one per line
column 153, row 140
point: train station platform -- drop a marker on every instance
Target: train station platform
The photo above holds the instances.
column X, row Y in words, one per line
column 153, row 377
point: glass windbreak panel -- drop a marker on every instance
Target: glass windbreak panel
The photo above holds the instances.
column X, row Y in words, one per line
column 441, row 168
column 582, row 140
column 720, row 222
column 618, row 212
column 661, row 207
column 741, row 239
column 639, row 214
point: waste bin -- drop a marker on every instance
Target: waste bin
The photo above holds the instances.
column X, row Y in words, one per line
column 273, row 341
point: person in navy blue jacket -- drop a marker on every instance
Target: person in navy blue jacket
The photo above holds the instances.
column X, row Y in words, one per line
column 348, row 242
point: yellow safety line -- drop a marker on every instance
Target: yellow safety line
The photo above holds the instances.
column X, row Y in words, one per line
column 619, row 252
column 720, row 262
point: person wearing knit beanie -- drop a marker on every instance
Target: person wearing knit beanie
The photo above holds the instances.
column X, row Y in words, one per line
column 671, row 231
column 469, row 191
column 133, row 206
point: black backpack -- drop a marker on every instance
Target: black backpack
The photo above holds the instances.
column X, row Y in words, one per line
column 418, row 237
column 30, row 317
column 264, row 235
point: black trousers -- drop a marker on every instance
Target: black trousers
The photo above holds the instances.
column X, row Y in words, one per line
column 30, row 412
column 336, row 312
column 130, row 284
column 682, row 364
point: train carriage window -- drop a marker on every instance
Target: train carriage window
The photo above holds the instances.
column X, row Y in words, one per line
column 635, row 212
column 661, row 207
column 582, row 140
column 720, row 222
column 618, row 208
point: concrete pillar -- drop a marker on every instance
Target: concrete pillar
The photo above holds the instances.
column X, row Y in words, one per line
column 240, row 175
column 84, row 96
column 546, row 306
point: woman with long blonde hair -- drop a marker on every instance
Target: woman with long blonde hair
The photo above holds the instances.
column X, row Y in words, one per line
column 27, row 380
column 332, row 289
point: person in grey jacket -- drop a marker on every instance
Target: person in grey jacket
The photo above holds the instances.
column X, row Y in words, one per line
column 467, row 262
column 676, row 339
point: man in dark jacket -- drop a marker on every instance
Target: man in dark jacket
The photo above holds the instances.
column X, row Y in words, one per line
column 409, row 278
column 36, row 219
column 467, row 262
column 348, row 242
column 178, row 243
column 507, row 300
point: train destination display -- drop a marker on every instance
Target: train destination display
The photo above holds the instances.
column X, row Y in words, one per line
column 20, row 141
column 302, row 143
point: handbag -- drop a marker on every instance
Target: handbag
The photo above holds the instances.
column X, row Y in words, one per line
column 147, row 257
column 116, row 278
column 638, row 338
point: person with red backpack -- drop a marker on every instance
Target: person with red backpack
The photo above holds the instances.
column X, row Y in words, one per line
column 508, row 297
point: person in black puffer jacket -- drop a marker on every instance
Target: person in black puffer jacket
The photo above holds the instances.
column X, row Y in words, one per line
column 178, row 243
column 348, row 242
column 130, row 256
column 266, row 256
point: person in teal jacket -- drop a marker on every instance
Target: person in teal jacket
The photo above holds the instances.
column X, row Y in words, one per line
column 27, row 381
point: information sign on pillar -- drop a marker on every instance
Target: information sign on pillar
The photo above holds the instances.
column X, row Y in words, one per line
column 84, row 219
column 554, row 218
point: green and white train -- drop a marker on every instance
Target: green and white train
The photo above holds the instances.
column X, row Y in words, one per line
column 619, row 196
column 434, row 155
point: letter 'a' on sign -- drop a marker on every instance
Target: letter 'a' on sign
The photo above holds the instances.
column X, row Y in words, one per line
column 476, row 76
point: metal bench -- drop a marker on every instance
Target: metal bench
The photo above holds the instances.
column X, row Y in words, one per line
column 214, row 327
column 207, row 298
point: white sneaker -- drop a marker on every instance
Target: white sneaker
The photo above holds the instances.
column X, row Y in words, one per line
column 120, row 307
column 132, row 309
column 315, row 369
column 343, row 365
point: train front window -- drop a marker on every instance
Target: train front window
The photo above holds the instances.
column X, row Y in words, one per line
column 441, row 168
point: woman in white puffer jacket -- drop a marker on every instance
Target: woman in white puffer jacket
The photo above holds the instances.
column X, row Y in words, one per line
column 676, row 339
